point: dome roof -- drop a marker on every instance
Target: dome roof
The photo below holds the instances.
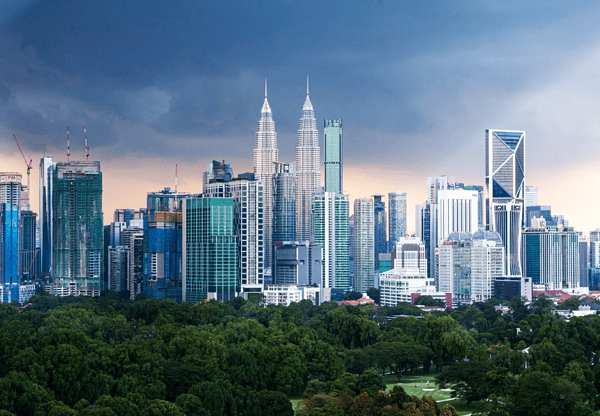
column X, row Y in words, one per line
column 459, row 236
column 487, row 235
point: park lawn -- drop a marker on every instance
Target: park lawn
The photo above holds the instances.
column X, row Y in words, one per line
column 295, row 399
column 413, row 385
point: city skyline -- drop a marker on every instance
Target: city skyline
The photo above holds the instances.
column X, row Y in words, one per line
column 427, row 101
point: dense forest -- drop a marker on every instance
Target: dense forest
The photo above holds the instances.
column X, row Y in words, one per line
column 107, row 356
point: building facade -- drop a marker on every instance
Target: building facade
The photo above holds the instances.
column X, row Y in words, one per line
column 397, row 217
column 77, row 229
column 308, row 165
column 332, row 232
column 380, row 224
column 209, row 267
column 332, row 133
column 457, row 212
column 45, row 211
column 505, row 191
column 284, row 202
column 551, row 256
column 364, row 244
column 265, row 156
column 298, row 263
column 249, row 221
column 469, row 264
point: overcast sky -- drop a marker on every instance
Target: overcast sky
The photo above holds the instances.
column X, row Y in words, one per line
column 415, row 82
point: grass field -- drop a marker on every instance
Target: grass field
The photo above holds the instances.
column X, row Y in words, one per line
column 416, row 385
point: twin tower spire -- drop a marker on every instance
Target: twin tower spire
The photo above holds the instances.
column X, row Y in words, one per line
column 307, row 167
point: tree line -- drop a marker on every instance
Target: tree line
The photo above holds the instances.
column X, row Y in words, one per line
column 108, row 356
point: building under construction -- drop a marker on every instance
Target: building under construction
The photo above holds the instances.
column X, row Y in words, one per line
column 77, row 224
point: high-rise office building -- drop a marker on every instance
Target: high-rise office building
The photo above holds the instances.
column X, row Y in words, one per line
column 29, row 264
column 469, row 264
column 408, row 274
column 426, row 231
column 551, row 255
column 457, row 211
column 332, row 232
column 265, row 154
column 162, row 255
column 133, row 239
column 209, row 250
column 595, row 248
column 118, row 269
column 332, row 133
column 380, row 224
column 10, row 233
column 10, row 272
column 531, row 196
column 46, row 224
column 505, row 191
column 284, row 202
column 298, row 263
column 364, row 244
column 308, row 172
column 397, row 216
column 584, row 261
column 249, row 221
column 78, row 232
column 217, row 172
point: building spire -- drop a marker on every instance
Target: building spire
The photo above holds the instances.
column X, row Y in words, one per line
column 265, row 88
column 307, row 85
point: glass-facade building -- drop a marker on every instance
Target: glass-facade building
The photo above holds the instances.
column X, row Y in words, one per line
column 505, row 191
column 332, row 133
column 9, row 244
column 78, row 231
column 284, row 202
column 397, row 217
column 209, row 250
column 248, row 221
column 380, row 224
column 29, row 255
column 551, row 256
column 364, row 245
column 45, row 208
column 332, row 232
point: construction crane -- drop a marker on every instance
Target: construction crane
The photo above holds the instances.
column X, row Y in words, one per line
column 28, row 168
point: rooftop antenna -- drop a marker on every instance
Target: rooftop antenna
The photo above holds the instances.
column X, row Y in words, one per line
column 87, row 149
column 68, row 147
column 175, row 202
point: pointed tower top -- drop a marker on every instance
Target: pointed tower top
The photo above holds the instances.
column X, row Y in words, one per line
column 265, row 108
column 307, row 85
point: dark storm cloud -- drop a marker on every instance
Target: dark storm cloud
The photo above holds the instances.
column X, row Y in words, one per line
column 145, row 75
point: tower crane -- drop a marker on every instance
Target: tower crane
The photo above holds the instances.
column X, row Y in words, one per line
column 28, row 167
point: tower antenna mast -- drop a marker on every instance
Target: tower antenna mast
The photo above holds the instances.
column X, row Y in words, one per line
column 68, row 147
column 87, row 149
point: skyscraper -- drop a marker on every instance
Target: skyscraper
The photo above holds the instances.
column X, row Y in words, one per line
column 332, row 232
column 265, row 153
column 332, row 133
column 308, row 169
column 28, row 228
column 46, row 169
column 284, row 206
column 397, row 215
column 531, row 196
column 380, row 225
column 457, row 211
column 78, row 234
column 10, row 235
column 469, row 264
column 209, row 250
column 551, row 255
column 364, row 244
column 505, row 191
column 248, row 220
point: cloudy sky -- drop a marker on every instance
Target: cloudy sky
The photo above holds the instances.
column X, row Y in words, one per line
column 416, row 83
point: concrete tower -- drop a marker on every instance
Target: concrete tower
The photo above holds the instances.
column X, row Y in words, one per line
column 265, row 153
column 309, row 172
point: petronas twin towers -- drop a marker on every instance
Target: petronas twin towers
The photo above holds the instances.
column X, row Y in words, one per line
column 308, row 172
